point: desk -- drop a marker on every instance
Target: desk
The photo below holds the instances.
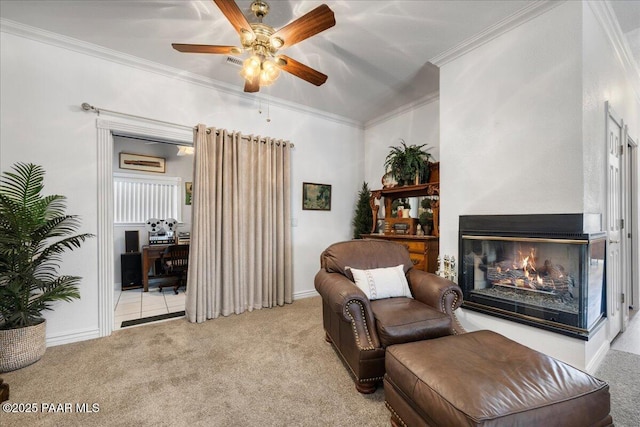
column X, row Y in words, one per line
column 150, row 253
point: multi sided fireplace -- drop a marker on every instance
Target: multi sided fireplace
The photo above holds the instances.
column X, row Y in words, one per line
column 546, row 271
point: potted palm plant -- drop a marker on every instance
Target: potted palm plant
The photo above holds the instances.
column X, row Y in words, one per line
column 34, row 233
column 409, row 164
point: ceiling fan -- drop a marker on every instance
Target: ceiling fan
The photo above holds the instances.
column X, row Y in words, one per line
column 263, row 66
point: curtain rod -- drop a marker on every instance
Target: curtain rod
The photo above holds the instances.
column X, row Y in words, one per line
column 88, row 107
column 246, row 138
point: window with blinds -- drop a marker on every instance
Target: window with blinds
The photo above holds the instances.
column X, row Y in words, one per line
column 138, row 198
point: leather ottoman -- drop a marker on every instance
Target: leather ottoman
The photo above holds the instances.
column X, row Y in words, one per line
column 484, row 379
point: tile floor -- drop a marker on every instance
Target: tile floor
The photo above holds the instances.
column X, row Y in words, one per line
column 135, row 304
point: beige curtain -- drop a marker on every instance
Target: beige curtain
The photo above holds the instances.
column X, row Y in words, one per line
column 240, row 255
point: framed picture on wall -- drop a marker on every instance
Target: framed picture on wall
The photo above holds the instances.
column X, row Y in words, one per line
column 141, row 162
column 188, row 192
column 316, row 197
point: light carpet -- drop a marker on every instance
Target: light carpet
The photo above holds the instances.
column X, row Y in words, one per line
column 622, row 371
column 269, row 367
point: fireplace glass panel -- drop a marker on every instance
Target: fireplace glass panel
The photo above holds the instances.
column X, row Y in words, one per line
column 554, row 282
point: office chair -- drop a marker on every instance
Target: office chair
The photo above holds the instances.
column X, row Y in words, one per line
column 175, row 262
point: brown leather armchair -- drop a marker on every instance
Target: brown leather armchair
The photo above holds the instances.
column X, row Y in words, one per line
column 361, row 329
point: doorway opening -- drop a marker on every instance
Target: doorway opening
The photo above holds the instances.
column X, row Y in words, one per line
column 632, row 236
column 621, row 222
column 107, row 129
column 144, row 288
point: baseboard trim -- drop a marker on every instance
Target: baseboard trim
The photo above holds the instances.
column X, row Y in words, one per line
column 594, row 363
column 305, row 294
column 75, row 336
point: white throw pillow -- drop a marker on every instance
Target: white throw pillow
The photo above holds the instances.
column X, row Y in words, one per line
column 381, row 283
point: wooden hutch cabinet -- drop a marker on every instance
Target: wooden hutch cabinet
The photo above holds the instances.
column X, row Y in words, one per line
column 423, row 250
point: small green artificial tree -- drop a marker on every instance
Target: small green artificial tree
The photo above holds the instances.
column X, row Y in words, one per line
column 363, row 219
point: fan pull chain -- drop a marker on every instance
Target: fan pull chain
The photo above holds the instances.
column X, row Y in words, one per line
column 268, row 112
column 268, row 109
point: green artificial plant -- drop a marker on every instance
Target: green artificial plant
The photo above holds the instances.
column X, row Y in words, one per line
column 34, row 233
column 407, row 161
column 426, row 215
column 363, row 218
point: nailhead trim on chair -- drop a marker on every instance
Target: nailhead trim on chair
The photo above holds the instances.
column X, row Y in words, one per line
column 369, row 379
column 353, row 324
column 395, row 413
column 444, row 297
column 453, row 304
column 460, row 327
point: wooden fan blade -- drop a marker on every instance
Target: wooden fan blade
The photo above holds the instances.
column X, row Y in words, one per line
column 235, row 16
column 205, row 48
column 314, row 22
column 253, row 85
column 298, row 69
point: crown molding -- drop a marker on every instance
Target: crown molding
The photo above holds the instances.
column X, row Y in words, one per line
column 90, row 49
column 607, row 19
column 432, row 97
column 507, row 24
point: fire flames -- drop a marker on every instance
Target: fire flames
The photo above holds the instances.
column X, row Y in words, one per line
column 528, row 263
column 524, row 272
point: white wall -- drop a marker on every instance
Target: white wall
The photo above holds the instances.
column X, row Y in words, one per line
column 416, row 126
column 605, row 80
column 42, row 87
column 510, row 123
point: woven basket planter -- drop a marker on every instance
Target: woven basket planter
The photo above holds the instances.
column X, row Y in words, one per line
column 22, row 347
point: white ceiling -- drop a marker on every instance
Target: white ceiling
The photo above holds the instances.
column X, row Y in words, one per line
column 377, row 56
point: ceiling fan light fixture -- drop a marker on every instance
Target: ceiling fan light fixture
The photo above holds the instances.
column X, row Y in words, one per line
column 251, row 67
column 247, row 37
column 276, row 42
column 269, row 73
column 263, row 42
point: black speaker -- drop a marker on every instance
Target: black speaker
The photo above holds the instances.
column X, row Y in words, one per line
column 131, row 241
column 131, row 269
